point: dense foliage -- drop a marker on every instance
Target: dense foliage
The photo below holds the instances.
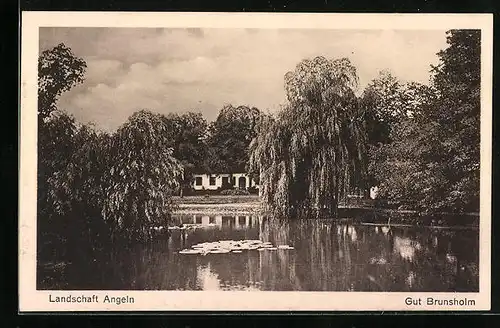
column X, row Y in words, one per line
column 143, row 175
column 457, row 113
column 430, row 161
column 186, row 136
column 95, row 188
column 229, row 137
column 311, row 154
column 101, row 188
column 73, row 209
column 58, row 71
column 420, row 144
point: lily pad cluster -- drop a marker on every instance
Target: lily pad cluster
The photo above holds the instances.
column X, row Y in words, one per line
column 232, row 246
column 191, row 226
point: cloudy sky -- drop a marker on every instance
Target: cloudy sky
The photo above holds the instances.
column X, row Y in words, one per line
column 178, row 70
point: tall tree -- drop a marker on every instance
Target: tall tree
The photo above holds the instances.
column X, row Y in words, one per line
column 388, row 104
column 143, row 175
column 58, row 71
column 77, row 194
column 457, row 80
column 55, row 147
column 432, row 162
column 186, row 135
column 229, row 137
column 313, row 152
column 387, row 101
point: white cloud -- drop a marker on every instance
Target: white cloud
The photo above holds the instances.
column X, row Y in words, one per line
column 179, row 70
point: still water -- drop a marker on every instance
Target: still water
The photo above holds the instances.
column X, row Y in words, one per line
column 327, row 256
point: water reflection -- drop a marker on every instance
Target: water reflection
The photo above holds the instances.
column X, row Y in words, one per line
column 207, row 279
column 328, row 256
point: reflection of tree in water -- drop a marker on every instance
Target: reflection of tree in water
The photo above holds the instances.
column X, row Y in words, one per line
column 277, row 268
column 430, row 260
column 155, row 268
column 373, row 256
column 331, row 256
column 232, row 270
column 314, row 250
column 326, row 256
column 207, row 279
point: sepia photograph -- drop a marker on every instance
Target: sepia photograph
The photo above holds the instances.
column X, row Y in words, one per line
column 258, row 159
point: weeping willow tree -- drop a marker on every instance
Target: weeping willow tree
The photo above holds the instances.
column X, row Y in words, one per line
column 143, row 176
column 312, row 152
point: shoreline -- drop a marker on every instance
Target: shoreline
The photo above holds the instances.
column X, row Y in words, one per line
column 249, row 205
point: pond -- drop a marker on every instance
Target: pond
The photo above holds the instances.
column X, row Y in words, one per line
column 324, row 256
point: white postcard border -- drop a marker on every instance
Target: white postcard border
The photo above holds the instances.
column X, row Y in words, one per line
column 31, row 299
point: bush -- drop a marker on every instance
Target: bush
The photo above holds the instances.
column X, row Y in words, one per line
column 253, row 191
column 235, row 192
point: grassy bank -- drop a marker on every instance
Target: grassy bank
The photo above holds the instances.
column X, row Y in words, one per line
column 217, row 199
column 219, row 204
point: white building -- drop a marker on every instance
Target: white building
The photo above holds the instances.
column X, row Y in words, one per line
column 237, row 221
column 215, row 181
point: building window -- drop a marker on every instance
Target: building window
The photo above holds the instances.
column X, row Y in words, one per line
column 225, row 181
column 198, row 181
column 212, row 181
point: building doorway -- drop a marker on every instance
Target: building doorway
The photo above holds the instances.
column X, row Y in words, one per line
column 242, row 183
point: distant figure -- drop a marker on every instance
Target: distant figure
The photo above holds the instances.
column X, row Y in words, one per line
column 374, row 192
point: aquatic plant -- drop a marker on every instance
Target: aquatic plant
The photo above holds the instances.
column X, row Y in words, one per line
column 233, row 246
